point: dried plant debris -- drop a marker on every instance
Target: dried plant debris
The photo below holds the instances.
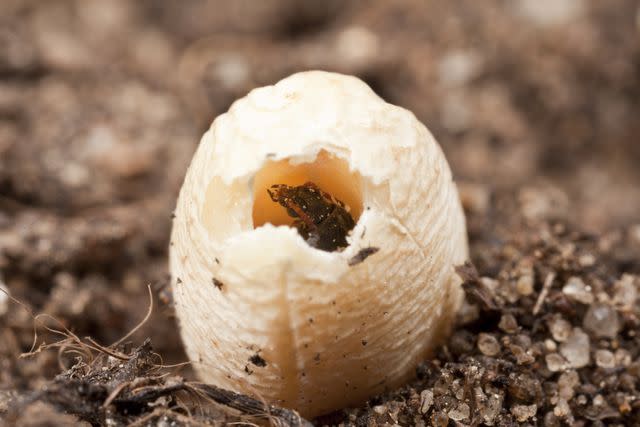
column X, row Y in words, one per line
column 135, row 388
column 322, row 220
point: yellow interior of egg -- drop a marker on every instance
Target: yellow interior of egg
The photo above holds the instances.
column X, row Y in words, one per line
column 328, row 172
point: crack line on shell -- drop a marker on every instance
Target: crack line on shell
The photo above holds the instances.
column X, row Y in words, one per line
column 395, row 221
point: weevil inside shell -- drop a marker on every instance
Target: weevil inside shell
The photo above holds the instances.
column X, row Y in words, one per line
column 322, row 220
column 276, row 194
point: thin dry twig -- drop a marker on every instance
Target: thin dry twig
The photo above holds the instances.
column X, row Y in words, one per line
column 107, row 350
column 142, row 322
column 30, row 312
column 475, row 290
column 548, row 281
column 250, row 406
column 116, row 391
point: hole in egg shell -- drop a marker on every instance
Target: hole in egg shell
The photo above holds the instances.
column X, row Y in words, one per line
column 321, row 199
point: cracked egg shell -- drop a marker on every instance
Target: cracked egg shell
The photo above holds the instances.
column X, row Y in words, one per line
column 330, row 329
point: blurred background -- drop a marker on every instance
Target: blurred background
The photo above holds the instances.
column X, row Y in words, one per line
column 536, row 104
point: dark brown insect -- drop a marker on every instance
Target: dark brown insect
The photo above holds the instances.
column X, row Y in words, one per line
column 321, row 219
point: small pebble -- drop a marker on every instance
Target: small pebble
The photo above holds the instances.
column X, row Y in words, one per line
column 524, row 388
column 567, row 384
column 625, row 407
column 598, row 400
column 493, row 408
column 488, row 345
column 522, row 356
column 460, row 412
column 551, row 420
column 524, row 285
column 576, row 349
column 443, row 384
column 555, row 362
column 380, row 409
column 577, row 290
column 605, row 359
column 439, row 419
column 562, row 409
column 602, row 321
column 426, row 400
column 523, row 340
column 586, row 260
column 625, row 292
column 508, row 324
column 523, row 412
column 550, row 345
column 560, row 329
column 623, row 357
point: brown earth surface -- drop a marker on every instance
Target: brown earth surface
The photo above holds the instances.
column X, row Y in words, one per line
column 535, row 103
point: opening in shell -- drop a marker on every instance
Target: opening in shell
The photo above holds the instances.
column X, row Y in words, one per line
column 329, row 173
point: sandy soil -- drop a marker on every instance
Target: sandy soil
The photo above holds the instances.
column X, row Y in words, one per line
column 535, row 103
